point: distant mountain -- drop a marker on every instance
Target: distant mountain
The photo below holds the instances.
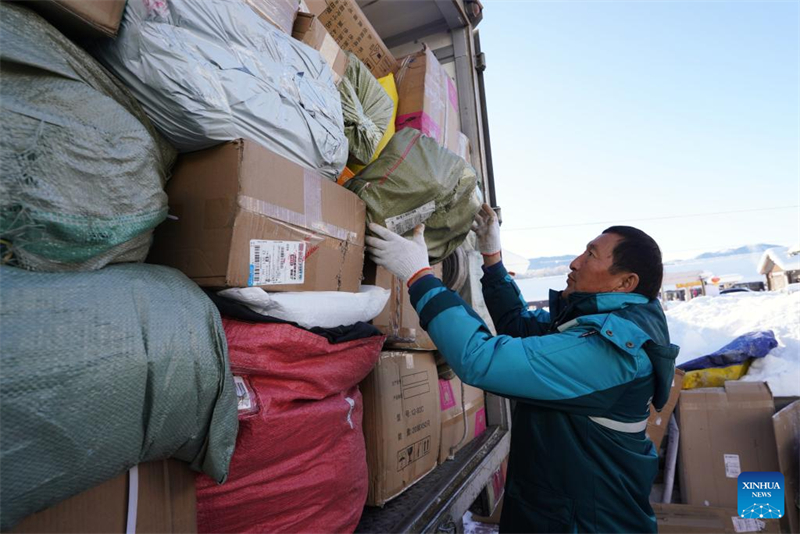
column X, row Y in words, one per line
column 747, row 249
column 549, row 262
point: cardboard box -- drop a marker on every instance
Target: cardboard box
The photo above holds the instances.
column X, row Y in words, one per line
column 166, row 503
column 353, row 32
column 724, row 432
column 428, row 100
column 82, row 18
column 493, row 519
column 398, row 320
column 308, row 29
column 453, row 415
column 486, row 506
column 786, row 425
column 401, row 422
column 279, row 13
column 687, row 519
column 658, row 421
column 245, row 216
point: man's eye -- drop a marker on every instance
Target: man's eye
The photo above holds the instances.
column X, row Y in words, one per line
column 590, row 253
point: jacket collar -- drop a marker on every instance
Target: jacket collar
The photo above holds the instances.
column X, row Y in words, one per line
column 580, row 304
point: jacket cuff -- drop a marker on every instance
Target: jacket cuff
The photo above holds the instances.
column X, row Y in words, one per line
column 422, row 286
column 495, row 272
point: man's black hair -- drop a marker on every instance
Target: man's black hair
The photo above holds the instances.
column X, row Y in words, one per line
column 638, row 253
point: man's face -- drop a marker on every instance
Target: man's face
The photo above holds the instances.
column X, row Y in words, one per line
column 590, row 271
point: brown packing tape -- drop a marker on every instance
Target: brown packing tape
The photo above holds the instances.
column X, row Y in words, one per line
column 311, row 222
column 709, row 404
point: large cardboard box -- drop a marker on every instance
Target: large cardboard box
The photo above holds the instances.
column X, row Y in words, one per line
column 658, row 421
column 398, row 320
column 724, row 432
column 279, row 13
column 486, row 507
column 353, row 32
column 429, row 100
column 165, row 500
column 82, row 18
column 453, row 415
column 401, row 422
column 242, row 215
column 688, row 519
column 308, row 29
column 786, row 424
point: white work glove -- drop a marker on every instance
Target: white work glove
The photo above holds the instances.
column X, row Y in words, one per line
column 487, row 228
column 402, row 257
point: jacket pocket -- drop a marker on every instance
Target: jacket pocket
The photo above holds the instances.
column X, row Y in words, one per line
column 536, row 509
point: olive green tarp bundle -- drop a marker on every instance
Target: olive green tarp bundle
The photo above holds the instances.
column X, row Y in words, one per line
column 102, row 370
column 83, row 169
column 415, row 180
column 367, row 110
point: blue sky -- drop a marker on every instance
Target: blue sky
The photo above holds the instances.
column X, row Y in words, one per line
column 625, row 111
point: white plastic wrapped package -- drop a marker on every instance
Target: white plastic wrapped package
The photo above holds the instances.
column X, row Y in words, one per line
column 309, row 309
column 214, row 70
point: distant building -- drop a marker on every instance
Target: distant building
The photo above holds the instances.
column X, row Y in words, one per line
column 781, row 266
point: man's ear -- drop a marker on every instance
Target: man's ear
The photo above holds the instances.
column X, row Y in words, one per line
column 629, row 283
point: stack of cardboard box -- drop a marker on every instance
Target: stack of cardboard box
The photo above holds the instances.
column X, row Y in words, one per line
column 241, row 215
column 725, row 432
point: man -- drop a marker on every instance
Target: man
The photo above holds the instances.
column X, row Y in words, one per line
column 583, row 375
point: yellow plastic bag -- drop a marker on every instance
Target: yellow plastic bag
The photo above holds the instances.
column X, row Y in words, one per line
column 387, row 82
column 715, row 376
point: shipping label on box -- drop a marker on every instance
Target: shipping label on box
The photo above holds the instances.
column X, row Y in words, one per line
column 401, row 422
column 723, row 432
column 353, row 32
column 245, row 216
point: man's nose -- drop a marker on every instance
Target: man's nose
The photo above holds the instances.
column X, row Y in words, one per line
column 573, row 266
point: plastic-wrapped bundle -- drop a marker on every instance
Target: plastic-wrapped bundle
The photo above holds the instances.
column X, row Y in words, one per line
column 213, row 70
column 83, row 168
column 103, row 370
column 367, row 109
column 414, row 181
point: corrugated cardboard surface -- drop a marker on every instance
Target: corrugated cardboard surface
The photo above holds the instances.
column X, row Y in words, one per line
column 353, row 32
column 166, row 503
column 429, row 100
column 723, row 432
column 401, row 422
column 398, row 320
column 687, row 519
column 786, row 424
column 279, row 13
column 82, row 18
column 308, row 29
column 453, row 418
column 226, row 196
column 658, row 421
column 491, row 497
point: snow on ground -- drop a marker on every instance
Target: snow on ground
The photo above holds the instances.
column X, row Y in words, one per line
column 705, row 324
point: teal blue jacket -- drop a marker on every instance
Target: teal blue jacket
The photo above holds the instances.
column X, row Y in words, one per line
column 583, row 377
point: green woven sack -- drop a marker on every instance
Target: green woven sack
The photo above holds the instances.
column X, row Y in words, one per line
column 83, row 169
column 414, row 181
column 367, row 110
column 103, row 370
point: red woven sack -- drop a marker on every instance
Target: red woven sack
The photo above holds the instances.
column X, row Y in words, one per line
column 300, row 462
